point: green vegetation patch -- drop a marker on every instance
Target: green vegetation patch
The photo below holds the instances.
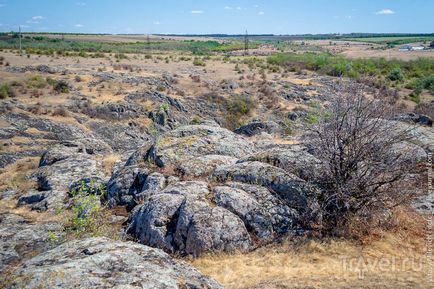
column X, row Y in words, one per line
column 416, row 74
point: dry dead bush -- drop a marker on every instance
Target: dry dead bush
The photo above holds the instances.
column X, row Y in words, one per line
column 195, row 78
column 364, row 171
column 60, row 111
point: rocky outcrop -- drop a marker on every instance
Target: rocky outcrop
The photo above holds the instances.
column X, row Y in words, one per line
column 39, row 68
column 294, row 159
column 288, row 186
column 184, row 143
column 258, row 127
column 60, row 168
column 123, row 138
column 182, row 219
column 416, row 119
column 421, row 136
column 39, row 133
column 125, row 185
column 235, row 202
column 104, row 263
column 116, row 111
column 264, row 213
column 20, row 239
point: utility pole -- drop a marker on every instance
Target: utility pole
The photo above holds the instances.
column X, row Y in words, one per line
column 148, row 42
column 19, row 35
column 246, row 44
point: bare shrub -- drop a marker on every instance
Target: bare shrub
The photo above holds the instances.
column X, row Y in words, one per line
column 60, row 111
column 365, row 163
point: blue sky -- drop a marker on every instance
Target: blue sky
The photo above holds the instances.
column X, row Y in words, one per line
column 218, row 16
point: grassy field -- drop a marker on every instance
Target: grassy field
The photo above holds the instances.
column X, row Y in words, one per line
column 392, row 40
column 325, row 263
column 49, row 45
column 415, row 74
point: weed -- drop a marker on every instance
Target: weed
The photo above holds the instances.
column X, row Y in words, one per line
column 36, row 81
column 198, row 62
column 86, row 208
column 61, row 86
column 6, row 91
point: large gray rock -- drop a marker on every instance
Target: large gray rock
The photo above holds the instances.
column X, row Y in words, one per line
column 20, row 239
column 181, row 219
column 263, row 213
column 288, row 186
column 123, row 138
column 204, row 165
column 189, row 151
column 104, row 263
column 258, row 127
column 61, row 167
column 293, row 159
column 184, row 143
column 422, row 136
column 40, row 133
column 125, row 184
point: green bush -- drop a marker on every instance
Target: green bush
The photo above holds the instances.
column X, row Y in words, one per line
column 420, row 70
column 414, row 97
column 420, row 84
column 61, row 86
column 36, row 81
column 240, row 105
column 120, row 56
column 198, row 62
column 396, row 75
column 86, row 208
column 6, row 91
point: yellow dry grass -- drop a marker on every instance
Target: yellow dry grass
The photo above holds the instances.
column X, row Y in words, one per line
column 10, row 206
column 396, row 259
column 15, row 176
column 108, row 162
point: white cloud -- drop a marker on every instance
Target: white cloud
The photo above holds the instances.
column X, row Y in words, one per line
column 35, row 19
column 80, row 3
column 78, row 25
column 261, row 13
column 348, row 17
column 256, row 6
column 233, row 8
column 196, row 11
column 157, row 23
column 385, row 12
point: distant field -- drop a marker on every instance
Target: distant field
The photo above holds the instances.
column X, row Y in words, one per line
column 391, row 40
column 50, row 44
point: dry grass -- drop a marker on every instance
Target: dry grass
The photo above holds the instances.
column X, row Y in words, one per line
column 10, row 206
column 16, row 175
column 108, row 162
column 306, row 263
